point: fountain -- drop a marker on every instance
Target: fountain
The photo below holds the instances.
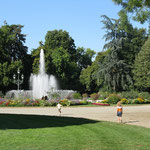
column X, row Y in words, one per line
column 41, row 85
column 42, row 82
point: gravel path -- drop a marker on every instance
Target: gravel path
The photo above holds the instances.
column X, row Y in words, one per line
column 134, row 115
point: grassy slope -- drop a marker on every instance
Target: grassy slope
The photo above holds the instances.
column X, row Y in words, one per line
column 35, row 132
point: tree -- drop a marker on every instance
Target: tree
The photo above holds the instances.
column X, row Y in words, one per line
column 59, row 38
column 13, row 50
column 60, row 58
column 66, row 70
column 88, row 76
column 84, row 57
column 142, row 68
column 124, row 43
column 114, row 70
column 112, row 31
column 132, row 44
column 121, row 28
column 12, row 43
column 6, row 74
column 141, row 8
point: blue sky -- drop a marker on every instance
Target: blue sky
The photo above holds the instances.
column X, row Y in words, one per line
column 81, row 18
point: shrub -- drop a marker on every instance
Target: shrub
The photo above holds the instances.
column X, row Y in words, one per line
column 72, row 103
column 147, row 101
column 85, row 96
column 124, row 101
column 103, row 95
column 138, row 100
column 1, row 94
column 94, row 96
column 135, row 101
column 144, row 95
column 129, row 94
column 35, row 103
column 113, row 98
column 84, row 102
column 141, row 100
column 51, row 102
column 65, row 102
column 55, row 96
column 42, row 103
column 77, row 96
column 130, row 101
column 105, row 101
column 69, row 97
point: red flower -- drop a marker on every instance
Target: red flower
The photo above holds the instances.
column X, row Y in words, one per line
column 7, row 103
column 101, row 104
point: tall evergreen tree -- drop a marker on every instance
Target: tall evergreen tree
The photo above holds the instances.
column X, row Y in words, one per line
column 114, row 70
column 142, row 68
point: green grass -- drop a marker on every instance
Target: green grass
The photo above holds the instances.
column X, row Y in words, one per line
column 37, row 132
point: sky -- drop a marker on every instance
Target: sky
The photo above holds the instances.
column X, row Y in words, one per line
column 80, row 18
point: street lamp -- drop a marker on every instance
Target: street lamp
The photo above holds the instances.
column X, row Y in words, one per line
column 18, row 81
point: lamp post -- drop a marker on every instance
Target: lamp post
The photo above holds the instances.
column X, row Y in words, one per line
column 17, row 79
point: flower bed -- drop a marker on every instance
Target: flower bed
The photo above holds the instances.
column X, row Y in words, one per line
column 42, row 103
column 101, row 104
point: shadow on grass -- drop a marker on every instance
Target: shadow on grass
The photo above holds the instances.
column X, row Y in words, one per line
column 20, row 121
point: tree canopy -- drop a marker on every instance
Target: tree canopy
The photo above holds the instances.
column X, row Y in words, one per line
column 62, row 59
column 140, row 8
column 13, row 55
column 142, row 67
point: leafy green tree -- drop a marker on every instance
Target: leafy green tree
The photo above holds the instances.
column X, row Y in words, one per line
column 12, row 43
column 58, row 41
column 142, row 68
column 132, row 45
column 6, row 74
column 88, row 76
column 12, row 49
column 60, row 58
column 140, row 8
column 84, row 57
column 59, row 38
column 35, row 54
column 134, row 38
column 66, row 70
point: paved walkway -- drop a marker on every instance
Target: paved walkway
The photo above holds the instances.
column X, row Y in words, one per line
column 134, row 115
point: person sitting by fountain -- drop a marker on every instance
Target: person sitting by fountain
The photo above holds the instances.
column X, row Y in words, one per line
column 59, row 108
column 45, row 98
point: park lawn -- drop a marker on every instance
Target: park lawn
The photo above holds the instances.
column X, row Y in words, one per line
column 39, row 132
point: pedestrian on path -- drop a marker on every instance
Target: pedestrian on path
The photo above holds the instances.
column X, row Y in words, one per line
column 59, row 108
column 119, row 111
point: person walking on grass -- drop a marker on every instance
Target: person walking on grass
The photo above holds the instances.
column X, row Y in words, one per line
column 59, row 108
column 119, row 111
